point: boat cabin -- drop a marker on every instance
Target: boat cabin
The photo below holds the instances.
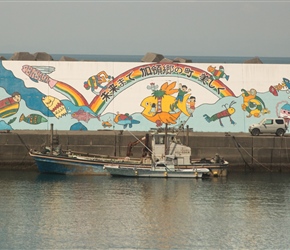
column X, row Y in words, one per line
column 164, row 144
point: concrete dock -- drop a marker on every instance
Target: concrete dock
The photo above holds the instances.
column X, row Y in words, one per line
column 267, row 153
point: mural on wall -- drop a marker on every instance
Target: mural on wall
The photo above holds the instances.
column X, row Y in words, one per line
column 224, row 113
column 94, row 96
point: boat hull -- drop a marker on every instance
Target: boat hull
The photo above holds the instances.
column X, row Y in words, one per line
column 93, row 165
column 67, row 165
column 156, row 173
column 217, row 171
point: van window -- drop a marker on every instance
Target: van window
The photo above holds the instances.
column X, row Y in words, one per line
column 280, row 121
column 268, row 122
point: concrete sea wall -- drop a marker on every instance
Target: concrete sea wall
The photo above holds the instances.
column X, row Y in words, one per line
column 244, row 152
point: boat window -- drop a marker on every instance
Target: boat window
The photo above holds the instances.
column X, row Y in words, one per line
column 159, row 140
column 169, row 160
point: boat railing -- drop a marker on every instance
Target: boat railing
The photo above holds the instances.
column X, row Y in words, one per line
column 100, row 156
column 76, row 154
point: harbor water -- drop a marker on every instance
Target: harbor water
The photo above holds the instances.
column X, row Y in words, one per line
column 241, row 211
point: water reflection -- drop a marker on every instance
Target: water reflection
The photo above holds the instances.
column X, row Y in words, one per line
column 54, row 211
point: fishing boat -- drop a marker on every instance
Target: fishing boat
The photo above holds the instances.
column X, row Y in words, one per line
column 74, row 163
column 169, row 158
column 164, row 169
column 53, row 159
column 163, row 156
column 68, row 163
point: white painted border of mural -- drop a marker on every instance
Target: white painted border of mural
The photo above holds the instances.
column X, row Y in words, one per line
column 141, row 96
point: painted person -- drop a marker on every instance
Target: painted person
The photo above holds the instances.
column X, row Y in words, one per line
column 153, row 109
column 191, row 104
column 181, row 93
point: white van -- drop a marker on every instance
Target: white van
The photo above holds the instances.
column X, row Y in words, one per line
column 276, row 126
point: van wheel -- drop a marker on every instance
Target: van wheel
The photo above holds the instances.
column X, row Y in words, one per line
column 255, row 132
column 280, row 132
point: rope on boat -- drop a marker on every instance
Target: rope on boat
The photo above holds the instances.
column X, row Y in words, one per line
column 28, row 149
column 238, row 146
column 286, row 150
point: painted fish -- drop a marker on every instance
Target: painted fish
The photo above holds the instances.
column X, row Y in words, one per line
column 33, row 119
column 54, row 105
column 82, row 115
column 125, row 120
column 158, row 107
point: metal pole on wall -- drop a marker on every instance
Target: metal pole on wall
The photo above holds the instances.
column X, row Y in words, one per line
column 187, row 135
column 51, row 138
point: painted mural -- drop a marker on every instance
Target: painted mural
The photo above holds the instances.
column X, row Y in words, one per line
column 140, row 97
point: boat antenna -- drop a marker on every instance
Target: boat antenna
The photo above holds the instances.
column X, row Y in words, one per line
column 182, row 125
column 179, row 129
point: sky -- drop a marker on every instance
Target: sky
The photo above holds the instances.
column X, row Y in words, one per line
column 180, row 28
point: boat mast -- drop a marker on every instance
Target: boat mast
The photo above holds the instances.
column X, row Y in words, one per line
column 51, row 138
column 166, row 141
